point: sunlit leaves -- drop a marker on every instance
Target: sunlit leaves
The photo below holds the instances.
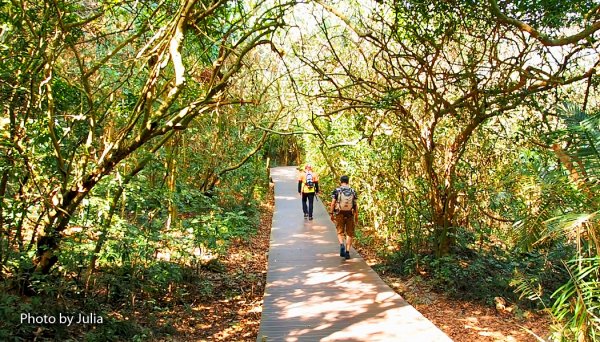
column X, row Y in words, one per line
column 551, row 14
column 577, row 302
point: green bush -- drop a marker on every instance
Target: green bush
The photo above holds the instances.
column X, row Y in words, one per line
column 117, row 330
column 481, row 276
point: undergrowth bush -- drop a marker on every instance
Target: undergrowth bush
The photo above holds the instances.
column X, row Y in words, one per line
column 483, row 275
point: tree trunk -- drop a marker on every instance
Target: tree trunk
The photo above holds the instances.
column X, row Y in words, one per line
column 443, row 200
column 444, row 221
column 103, row 236
column 3, row 233
column 58, row 219
column 172, row 149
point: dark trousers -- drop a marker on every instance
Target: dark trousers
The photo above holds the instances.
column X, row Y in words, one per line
column 308, row 209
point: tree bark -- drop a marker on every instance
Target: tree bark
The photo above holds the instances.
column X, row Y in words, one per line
column 3, row 233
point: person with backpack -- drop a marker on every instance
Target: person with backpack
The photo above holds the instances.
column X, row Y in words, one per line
column 344, row 212
column 308, row 186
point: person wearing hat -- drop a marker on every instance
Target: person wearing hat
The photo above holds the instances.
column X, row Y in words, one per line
column 308, row 186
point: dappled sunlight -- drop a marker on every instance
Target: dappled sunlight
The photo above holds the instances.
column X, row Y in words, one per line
column 287, row 198
column 381, row 297
column 319, row 228
column 377, row 327
column 281, row 282
column 297, row 238
column 285, row 269
column 322, row 309
column 329, row 277
column 358, row 285
column 298, row 241
column 279, row 173
column 476, row 324
column 313, row 294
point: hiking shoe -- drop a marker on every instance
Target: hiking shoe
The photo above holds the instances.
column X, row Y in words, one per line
column 342, row 251
column 347, row 256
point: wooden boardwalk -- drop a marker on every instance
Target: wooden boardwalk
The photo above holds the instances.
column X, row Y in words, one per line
column 312, row 294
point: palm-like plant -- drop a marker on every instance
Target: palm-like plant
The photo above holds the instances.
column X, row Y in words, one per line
column 577, row 303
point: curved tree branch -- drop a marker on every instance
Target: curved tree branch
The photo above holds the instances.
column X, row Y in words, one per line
column 541, row 37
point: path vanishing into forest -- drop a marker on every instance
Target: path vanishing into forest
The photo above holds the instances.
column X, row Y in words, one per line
column 312, row 294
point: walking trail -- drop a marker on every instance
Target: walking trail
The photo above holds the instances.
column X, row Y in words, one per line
column 312, row 294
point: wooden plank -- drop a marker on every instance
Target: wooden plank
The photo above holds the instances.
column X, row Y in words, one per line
column 312, row 294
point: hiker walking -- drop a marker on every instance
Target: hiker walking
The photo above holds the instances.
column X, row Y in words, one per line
column 308, row 186
column 344, row 212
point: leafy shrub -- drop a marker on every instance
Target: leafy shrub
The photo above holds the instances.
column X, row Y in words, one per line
column 481, row 276
column 117, row 330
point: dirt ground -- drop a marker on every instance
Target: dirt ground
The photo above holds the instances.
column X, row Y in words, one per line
column 466, row 321
column 231, row 312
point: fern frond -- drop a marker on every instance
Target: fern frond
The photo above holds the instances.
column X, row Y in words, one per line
column 527, row 287
column 570, row 225
column 578, row 301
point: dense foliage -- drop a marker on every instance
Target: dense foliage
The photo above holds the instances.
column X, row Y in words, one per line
column 136, row 138
column 131, row 152
column 472, row 128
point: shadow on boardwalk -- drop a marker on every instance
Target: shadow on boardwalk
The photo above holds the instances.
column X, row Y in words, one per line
column 312, row 294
